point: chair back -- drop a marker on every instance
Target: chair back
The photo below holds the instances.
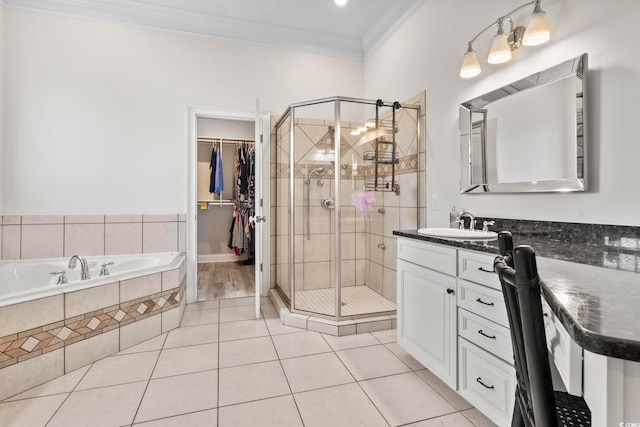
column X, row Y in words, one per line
column 521, row 289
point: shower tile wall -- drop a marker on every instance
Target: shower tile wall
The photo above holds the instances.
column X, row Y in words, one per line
column 53, row 236
column 406, row 211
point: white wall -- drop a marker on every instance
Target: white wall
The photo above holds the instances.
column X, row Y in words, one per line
column 2, row 102
column 95, row 112
column 426, row 54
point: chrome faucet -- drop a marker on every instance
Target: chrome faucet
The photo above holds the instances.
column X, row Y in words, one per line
column 472, row 221
column 84, row 267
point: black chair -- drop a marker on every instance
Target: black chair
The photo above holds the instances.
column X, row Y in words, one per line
column 537, row 404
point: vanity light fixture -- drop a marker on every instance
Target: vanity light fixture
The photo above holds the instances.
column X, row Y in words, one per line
column 536, row 33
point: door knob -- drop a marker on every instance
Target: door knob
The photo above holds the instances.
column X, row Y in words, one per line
column 260, row 218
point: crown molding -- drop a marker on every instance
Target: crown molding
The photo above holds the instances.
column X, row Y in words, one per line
column 387, row 25
column 173, row 19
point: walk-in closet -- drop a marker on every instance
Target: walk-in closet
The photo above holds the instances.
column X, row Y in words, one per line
column 226, row 197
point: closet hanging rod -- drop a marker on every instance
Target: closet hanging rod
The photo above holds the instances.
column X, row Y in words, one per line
column 222, row 202
column 209, row 140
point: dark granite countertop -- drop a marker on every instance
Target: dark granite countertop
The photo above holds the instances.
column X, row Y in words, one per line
column 594, row 289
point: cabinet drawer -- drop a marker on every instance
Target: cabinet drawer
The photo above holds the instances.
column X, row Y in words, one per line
column 435, row 257
column 565, row 353
column 487, row 382
column 478, row 267
column 486, row 302
column 488, row 335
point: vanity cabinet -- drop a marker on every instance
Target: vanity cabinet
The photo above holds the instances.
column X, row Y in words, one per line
column 427, row 306
column 486, row 376
column 452, row 319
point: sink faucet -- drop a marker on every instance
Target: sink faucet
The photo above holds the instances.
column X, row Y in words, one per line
column 84, row 267
column 472, row 222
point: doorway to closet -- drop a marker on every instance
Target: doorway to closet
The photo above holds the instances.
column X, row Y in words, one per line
column 225, row 208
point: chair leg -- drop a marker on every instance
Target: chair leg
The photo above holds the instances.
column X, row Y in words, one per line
column 517, row 420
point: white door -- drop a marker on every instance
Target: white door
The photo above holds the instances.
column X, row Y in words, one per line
column 261, row 238
column 259, row 218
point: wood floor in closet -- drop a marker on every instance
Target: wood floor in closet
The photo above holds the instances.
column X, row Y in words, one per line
column 218, row 280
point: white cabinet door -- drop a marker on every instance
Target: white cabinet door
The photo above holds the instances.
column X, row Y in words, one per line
column 427, row 318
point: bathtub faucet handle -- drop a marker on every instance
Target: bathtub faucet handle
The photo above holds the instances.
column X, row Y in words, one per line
column 105, row 271
column 62, row 278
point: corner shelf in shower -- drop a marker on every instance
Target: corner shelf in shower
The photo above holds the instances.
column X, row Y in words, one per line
column 385, row 153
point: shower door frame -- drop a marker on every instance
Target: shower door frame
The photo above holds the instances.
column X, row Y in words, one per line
column 289, row 113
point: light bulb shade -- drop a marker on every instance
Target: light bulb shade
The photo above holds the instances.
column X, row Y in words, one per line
column 537, row 31
column 470, row 66
column 500, row 51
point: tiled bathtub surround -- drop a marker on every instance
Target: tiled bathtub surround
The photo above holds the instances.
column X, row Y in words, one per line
column 54, row 236
column 45, row 338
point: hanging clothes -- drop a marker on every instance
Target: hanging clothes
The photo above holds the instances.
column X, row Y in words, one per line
column 242, row 232
column 219, row 184
column 212, row 167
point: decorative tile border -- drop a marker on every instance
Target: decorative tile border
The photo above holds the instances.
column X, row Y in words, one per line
column 407, row 164
column 16, row 348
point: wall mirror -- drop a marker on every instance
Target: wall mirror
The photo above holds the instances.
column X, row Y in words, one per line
column 527, row 136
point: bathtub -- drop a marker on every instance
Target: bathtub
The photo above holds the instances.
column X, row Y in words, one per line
column 26, row 280
column 48, row 329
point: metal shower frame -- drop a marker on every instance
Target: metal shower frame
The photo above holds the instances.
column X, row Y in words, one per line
column 289, row 113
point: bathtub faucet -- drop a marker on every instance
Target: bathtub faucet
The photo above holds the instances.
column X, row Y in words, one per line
column 84, row 267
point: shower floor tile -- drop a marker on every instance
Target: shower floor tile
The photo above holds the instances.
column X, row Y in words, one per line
column 355, row 300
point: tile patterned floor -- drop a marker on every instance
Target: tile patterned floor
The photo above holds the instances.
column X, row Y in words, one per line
column 222, row 368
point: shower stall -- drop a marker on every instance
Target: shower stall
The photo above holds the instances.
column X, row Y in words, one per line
column 345, row 176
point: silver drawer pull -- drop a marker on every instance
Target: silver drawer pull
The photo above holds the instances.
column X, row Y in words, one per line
column 485, row 303
column 490, row 387
column 485, row 270
column 485, row 335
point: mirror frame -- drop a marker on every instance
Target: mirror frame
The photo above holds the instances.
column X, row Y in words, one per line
column 574, row 67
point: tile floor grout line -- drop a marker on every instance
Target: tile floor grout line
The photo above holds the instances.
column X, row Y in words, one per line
column 69, row 394
column 295, row 402
column 469, row 419
column 155, row 365
column 218, row 375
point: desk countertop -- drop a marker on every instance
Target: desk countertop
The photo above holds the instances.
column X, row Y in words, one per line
column 594, row 296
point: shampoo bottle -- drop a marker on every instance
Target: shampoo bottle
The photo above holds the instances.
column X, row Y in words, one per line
column 452, row 217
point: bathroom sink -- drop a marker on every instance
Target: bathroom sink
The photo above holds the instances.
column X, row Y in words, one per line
column 454, row 233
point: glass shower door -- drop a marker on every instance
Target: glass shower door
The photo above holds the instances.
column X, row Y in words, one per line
column 314, row 188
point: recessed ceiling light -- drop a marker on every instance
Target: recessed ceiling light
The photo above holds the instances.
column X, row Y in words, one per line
column 341, row 2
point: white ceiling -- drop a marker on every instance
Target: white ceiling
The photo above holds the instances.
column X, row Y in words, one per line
column 311, row 25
